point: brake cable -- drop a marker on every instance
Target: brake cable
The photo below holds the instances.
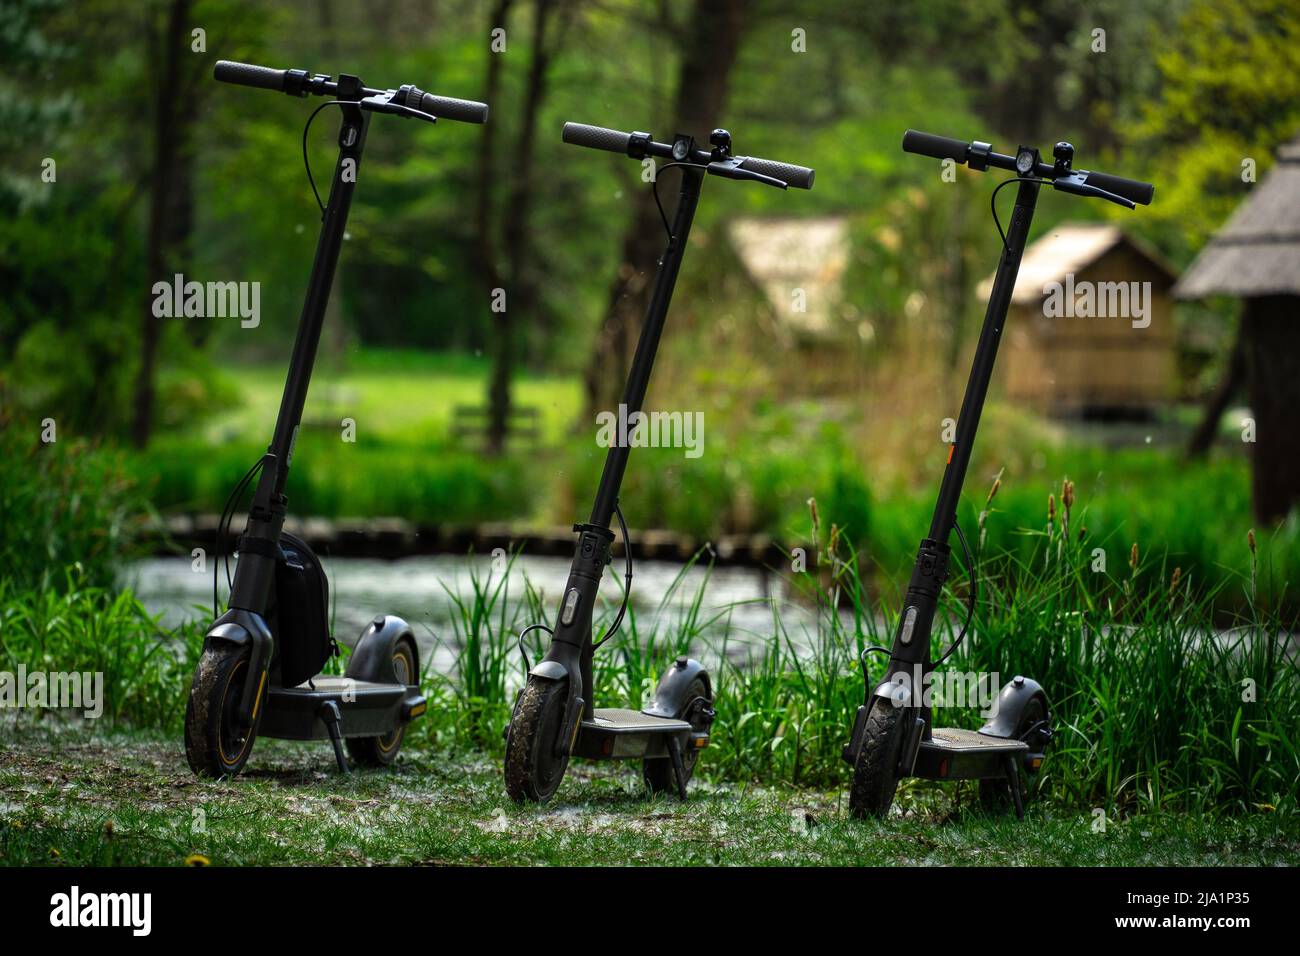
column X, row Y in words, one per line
column 970, row 606
column 993, row 200
column 223, row 530
column 627, row 577
column 654, row 188
column 618, row 618
column 305, row 160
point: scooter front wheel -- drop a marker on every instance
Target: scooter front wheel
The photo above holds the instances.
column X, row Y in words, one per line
column 875, row 773
column 533, row 769
column 215, row 744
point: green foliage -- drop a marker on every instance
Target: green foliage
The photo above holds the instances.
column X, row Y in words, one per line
column 1230, row 90
column 75, row 626
column 63, row 503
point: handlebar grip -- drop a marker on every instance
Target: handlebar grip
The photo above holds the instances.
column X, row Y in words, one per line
column 447, row 107
column 940, row 147
column 1131, row 189
column 249, row 74
column 596, row 137
column 800, row 177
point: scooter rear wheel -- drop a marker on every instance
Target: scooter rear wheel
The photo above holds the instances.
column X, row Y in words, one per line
column 875, row 773
column 533, row 771
column 995, row 792
column 382, row 751
column 658, row 771
column 215, row 744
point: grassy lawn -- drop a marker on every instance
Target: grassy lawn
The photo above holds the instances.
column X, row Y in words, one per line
column 401, row 396
column 75, row 799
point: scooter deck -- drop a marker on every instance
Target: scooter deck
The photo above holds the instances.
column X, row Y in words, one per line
column 619, row 733
column 955, row 754
column 366, row 709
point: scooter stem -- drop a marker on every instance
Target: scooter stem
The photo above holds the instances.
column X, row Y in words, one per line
column 255, row 572
column 911, row 645
column 638, row 380
column 981, row 373
column 572, row 637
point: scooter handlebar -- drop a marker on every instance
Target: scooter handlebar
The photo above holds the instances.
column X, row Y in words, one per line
column 944, row 147
column 801, row 177
column 447, row 107
column 596, row 137
column 300, row 83
column 1131, row 189
column 616, row 141
column 939, row 147
column 249, row 74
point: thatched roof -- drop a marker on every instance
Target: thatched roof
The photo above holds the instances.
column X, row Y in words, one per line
column 1071, row 248
column 1258, row 252
column 783, row 255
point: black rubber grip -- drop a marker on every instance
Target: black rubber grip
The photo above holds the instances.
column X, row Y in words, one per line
column 1131, row 189
column 249, row 74
column 596, row 137
column 801, row 177
column 940, row 147
column 448, row 107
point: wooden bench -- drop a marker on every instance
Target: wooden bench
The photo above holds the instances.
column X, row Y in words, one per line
column 469, row 425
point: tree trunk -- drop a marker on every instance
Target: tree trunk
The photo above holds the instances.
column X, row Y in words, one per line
column 713, row 41
column 1216, row 403
column 1272, row 359
column 517, row 236
column 171, row 127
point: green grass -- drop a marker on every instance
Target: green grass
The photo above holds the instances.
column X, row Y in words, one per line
column 399, row 395
column 68, row 798
column 1155, row 710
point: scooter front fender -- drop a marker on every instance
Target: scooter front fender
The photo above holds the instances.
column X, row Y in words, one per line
column 562, row 665
column 243, row 628
column 549, row 670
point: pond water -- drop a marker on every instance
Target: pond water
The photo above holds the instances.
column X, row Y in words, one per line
column 422, row 590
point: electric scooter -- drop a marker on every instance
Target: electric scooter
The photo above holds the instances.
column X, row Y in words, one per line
column 259, row 672
column 892, row 735
column 554, row 718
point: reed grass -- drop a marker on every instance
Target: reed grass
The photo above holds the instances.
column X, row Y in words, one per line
column 1156, row 704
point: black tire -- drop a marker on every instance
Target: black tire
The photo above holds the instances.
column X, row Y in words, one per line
column 995, row 793
column 382, row 751
column 875, row 773
column 214, row 745
column 658, row 771
column 532, row 770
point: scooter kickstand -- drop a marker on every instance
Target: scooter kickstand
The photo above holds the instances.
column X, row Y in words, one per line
column 679, row 769
column 329, row 714
column 1013, row 781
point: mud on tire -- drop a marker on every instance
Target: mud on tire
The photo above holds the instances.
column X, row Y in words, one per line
column 214, row 745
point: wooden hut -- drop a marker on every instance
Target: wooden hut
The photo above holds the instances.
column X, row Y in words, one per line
column 1090, row 330
column 799, row 264
column 1256, row 257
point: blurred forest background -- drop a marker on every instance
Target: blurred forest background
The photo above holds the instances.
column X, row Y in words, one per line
column 160, row 170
